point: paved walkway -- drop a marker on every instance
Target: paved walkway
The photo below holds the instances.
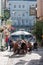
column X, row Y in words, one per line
column 35, row 58
column 3, row 57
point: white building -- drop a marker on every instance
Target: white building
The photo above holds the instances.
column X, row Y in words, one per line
column 1, row 10
column 20, row 13
column 5, row 3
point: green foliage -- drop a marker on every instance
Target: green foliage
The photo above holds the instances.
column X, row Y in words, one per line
column 2, row 18
column 6, row 14
column 8, row 22
column 38, row 31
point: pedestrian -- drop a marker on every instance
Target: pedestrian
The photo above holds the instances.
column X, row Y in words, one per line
column 10, row 43
column 35, row 46
column 6, row 40
column 42, row 43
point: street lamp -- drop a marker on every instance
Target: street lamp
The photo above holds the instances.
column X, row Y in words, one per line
column 36, row 14
column 35, row 18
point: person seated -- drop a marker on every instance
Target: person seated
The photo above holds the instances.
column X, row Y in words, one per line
column 23, row 46
column 29, row 46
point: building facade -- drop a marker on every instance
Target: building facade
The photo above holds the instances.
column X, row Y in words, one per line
column 1, row 11
column 5, row 3
column 21, row 12
column 40, row 9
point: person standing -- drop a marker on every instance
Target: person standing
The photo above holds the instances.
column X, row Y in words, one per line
column 6, row 41
column 36, row 45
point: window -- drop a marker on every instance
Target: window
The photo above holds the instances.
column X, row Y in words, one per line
column 9, row 3
column 14, row 6
column 23, row 14
column 30, row 24
column 27, row 21
column 22, row 21
column 23, row 6
column 32, row 10
column 9, row 7
column 19, row 22
column 19, row 6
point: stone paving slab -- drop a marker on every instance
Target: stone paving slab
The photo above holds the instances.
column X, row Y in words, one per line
column 35, row 58
column 28, row 59
column 3, row 58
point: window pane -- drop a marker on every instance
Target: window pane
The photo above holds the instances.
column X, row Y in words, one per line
column 23, row 6
column 14, row 6
column 32, row 11
column 19, row 6
column 22, row 21
column 23, row 14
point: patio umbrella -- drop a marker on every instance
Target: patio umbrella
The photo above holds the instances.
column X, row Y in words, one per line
column 21, row 33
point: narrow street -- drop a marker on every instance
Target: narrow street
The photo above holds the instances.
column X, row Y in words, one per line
column 33, row 58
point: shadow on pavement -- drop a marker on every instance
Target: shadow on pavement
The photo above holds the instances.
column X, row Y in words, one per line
column 36, row 62
column 21, row 62
column 6, row 56
column 17, row 55
column 32, row 62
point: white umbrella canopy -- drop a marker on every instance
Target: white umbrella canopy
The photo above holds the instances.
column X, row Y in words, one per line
column 21, row 33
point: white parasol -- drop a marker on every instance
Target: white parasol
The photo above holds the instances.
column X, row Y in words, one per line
column 21, row 33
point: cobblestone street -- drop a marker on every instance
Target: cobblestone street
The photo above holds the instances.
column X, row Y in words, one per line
column 35, row 58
